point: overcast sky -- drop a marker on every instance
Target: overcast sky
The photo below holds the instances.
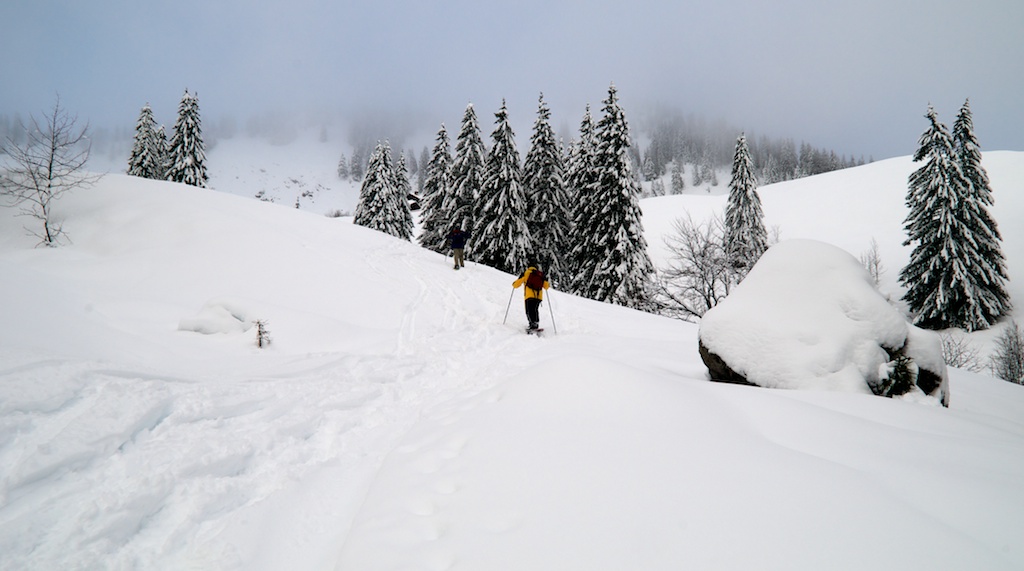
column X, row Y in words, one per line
column 855, row 77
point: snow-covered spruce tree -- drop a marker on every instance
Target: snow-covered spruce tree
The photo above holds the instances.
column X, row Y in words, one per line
column 948, row 278
column 503, row 238
column 356, row 167
column 405, row 192
column 745, row 235
column 413, row 164
column 434, row 218
column 467, row 174
column 989, row 268
column 421, row 176
column 696, row 175
column 382, row 205
column 147, row 156
column 581, row 179
column 187, row 158
column 618, row 269
column 163, row 146
column 677, row 176
column 657, row 187
column 547, row 199
column 343, row 167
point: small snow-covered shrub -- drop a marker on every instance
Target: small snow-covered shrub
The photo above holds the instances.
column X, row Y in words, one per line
column 262, row 333
column 896, row 377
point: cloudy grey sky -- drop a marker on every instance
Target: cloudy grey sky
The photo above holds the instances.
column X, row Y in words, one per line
column 852, row 76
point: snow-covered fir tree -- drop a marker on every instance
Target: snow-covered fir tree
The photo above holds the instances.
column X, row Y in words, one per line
column 413, row 164
column 657, row 187
column 434, row 216
column 147, row 156
column 770, row 170
column 503, row 238
column 547, row 199
column 745, row 235
column 404, row 187
column 163, row 146
column 617, row 268
column 356, row 166
column 581, row 179
column 343, row 167
column 421, row 175
column 696, row 175
column 467, row 174
column 649, row 173
column 636, row 163
column 677, row 176
column 186, row 161
column 955, row 274
column 382, row 205
column 990, row 277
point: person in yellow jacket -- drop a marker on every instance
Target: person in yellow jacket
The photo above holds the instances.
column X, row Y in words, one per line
column 532, row 296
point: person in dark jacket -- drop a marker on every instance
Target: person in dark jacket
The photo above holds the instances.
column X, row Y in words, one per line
column 532, row 297
column 457, row 242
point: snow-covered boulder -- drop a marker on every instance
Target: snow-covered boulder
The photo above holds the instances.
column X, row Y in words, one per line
column 218, row 316
column 808, row 316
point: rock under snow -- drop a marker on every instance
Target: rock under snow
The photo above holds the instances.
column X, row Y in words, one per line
column 808, row 316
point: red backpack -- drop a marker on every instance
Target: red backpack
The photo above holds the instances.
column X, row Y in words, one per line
column 535, row 280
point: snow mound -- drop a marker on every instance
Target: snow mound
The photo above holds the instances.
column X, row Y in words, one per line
column 218, row 316
column 808, row 316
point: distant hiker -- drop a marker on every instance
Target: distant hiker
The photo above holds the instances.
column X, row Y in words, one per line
column 533, row 293
column 457, row 242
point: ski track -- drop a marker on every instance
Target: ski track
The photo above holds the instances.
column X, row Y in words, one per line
column 168, row 461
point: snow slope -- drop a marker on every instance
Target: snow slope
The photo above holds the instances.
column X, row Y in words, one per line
column 850, row 207
column 305, row 171
column 395, row 422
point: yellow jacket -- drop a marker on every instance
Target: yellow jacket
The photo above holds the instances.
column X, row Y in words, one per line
column 529, row 293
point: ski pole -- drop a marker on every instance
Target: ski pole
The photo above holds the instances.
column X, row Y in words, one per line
column 508, row 306
column 552, row 313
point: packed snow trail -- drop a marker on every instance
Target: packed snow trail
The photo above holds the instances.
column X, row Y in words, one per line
column 146, row 453
column 159, row 450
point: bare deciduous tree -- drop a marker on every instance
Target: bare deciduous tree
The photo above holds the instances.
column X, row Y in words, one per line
column 872, row 260
column 698, row 274
column 48, row 162
column 1008, row 360
column 958, row 352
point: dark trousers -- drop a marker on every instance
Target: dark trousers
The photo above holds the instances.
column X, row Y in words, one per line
column 533, row 311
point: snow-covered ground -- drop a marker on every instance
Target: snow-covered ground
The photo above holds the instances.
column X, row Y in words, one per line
column 395, row 422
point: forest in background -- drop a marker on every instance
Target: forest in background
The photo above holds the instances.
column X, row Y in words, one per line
column 662, row 140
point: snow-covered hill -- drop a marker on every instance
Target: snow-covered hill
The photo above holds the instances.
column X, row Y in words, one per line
column 396, row 422
column 850, row 207
column 305, row 171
